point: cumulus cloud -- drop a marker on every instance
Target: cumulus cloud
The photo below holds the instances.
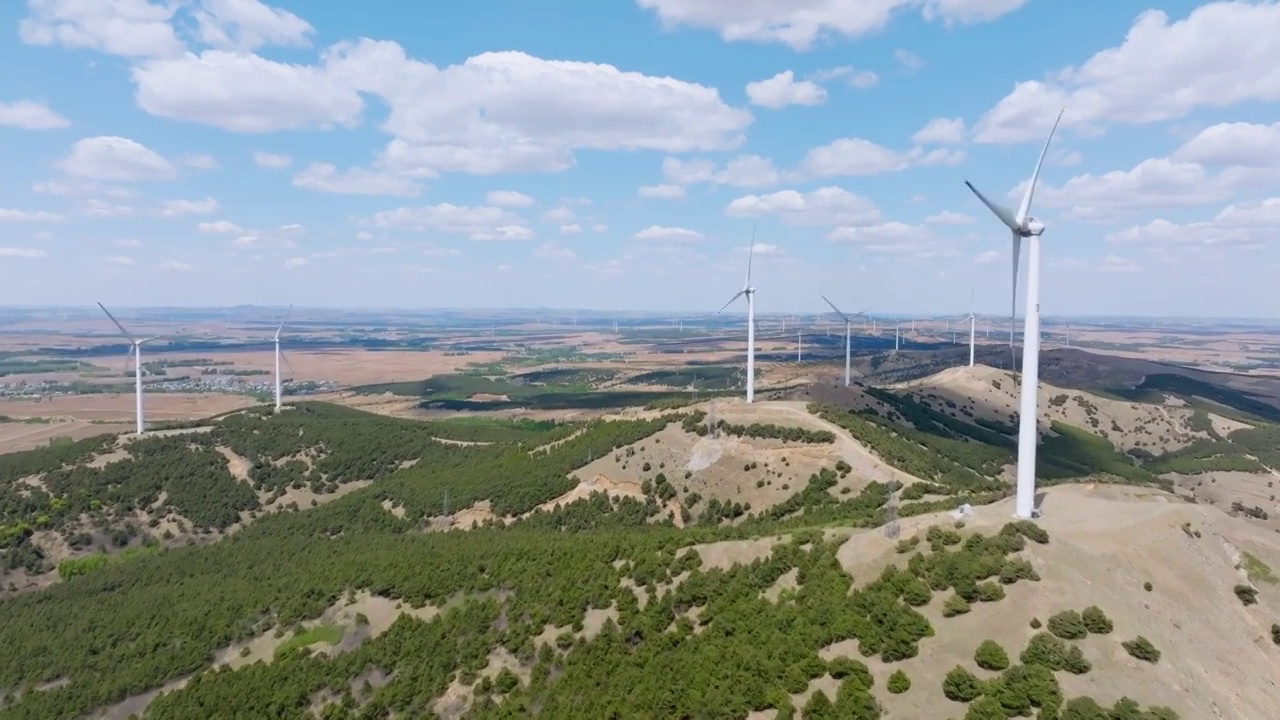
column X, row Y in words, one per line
column 1221, row 54
column 30, row 115
column 115, row 159
column 802, row 25
column 272, row 160
column 783, row 89
column 668, row 234
column 824, row 206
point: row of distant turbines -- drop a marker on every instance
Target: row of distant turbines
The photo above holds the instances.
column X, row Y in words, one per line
column 1024, row 228
column 135, row 352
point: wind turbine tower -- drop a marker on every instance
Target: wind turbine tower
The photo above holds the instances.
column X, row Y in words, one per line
column 135, row 349
column 847, row 330
column 1025, row 227
column 799, row 346
column 973, row 319
column 750, row 293
column 276, row 340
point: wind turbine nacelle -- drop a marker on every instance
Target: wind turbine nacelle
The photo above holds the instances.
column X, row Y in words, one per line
column 1033, row 227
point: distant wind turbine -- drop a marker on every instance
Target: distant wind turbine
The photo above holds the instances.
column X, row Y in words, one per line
column 973, row 319
column 280, row 355
column 1025, row 227
column 848, row 320
column 135, row 350
column 750, row 293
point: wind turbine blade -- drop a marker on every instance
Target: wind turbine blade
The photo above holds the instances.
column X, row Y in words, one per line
column 128, row 355
column 863, row 311
column 148, row 339
column 833, row 307
column 970, row 302
column 1005, row 214
column 117, row 322
column 751, row 252
column 735, row 297
column 282, row 322
column 287, row 366
column 1025, row 207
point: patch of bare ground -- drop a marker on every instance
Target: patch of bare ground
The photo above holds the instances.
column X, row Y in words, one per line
column 992, row 394
column 134, row 705
column 789, row 581
column 1222, row 488
column 238, row 465
column 1106, row 541
column 380, row 613
column 119, row 407
column 15, row 437
column 457, row 698
column 304, row 498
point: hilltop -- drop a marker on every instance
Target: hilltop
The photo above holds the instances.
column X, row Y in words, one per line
column 337, row 563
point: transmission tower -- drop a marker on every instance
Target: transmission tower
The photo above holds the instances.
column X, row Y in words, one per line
column 891, row 529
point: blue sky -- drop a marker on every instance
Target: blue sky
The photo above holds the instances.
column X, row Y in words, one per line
column 614, row 155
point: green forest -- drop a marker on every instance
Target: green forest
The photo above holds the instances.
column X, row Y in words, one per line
column 124, row 623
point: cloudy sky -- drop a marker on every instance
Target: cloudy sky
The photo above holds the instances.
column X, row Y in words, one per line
column 614, row 155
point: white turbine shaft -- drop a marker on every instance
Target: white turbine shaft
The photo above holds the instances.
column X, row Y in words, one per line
column 137, row 385
column 751, row 346
column 972, row 329
column 277, row 374
column 846, row 353
column 799, row 346
column 897, row 333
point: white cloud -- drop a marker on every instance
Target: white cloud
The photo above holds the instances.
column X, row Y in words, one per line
column 508, row 198
column 220, row 227
column 946, row 217
column 915, row 241
column 115, row 159
column 121, row 260
column 182, row 208
column 249, row 24
column 599, row 228
column 668, row 192
column 940, row 131
column 294, row 262
column 1063, row 158
column 30, row 115
column 101, row 208
column 131, row 28
column 22, row 252
column 478, row 223
column 908, row 59
column 860, row 79
column 553, row 250
column 272, row 160
column 824, row 206
column 1221, row 54
column 29, row 215
column 1233, row 144
column 496, row 112
column 175, row 266
column 1243, row 225
column 570, row 229
column 987, row 257
column 323, row 177
column 803, row 24
column 782, row 90
column 668, row 234
column 558, row 215
column 855, row 156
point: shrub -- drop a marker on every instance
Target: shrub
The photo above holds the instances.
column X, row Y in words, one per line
column 985, row 708
column 1096, row 621
column 843, row 667
column 1142, row 649
column 1247, row 594
column 1068, row 625
column 990, row 592
column 1075, row 662
column 1275, row 633
column 990, row 656
column 1147, row 586
column 898, row 682
column 955, row 605
column 960, row 685
column 1035, row 623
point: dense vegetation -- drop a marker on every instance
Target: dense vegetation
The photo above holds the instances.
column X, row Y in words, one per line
column 121, row 625
column 697, row 423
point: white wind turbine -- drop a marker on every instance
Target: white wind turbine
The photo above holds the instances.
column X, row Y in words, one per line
column 848, row 320
column 278, row 355
column 135, row 350
column 973, row 319
column 750, row 294
column 1025, row 227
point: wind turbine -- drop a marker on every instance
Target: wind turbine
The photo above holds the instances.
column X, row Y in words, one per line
column 750, row 294
column 847, row 325
column 135, row 349
column 1023, row 226
column 276, row 340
